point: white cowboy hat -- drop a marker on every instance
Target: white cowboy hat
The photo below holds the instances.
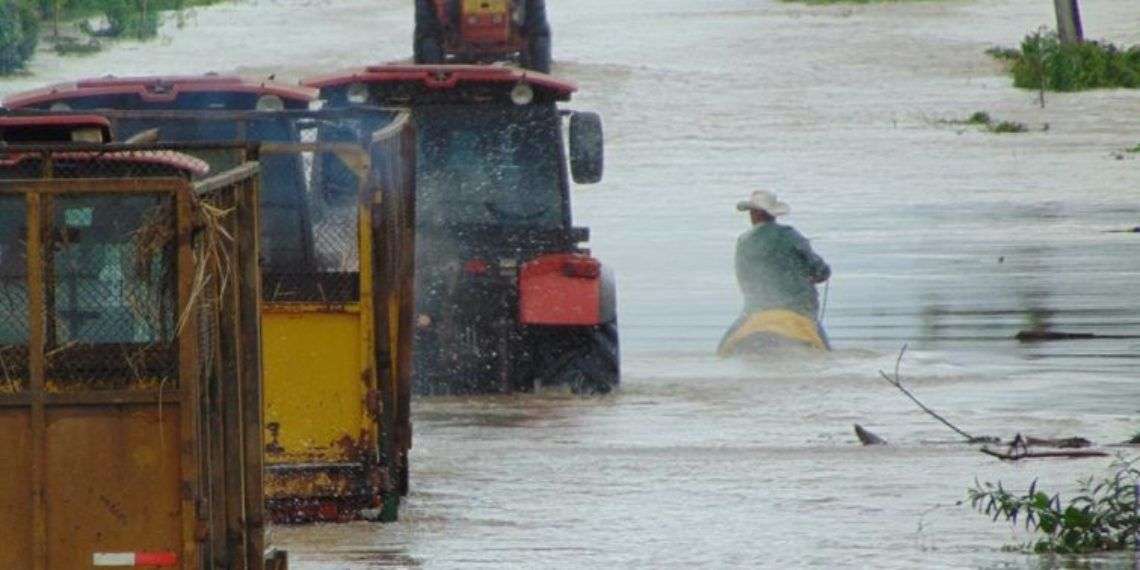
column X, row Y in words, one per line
column 764, row 200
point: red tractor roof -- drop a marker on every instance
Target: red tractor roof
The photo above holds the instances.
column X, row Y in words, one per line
column 447, row 77
column 53, row 123
column 157, row 88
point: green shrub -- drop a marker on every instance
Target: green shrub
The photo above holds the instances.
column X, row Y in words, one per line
column 1101, row 517
column 1043, row 61
column 19, row 34
column 128, row 19
column 30, row 27
column 979, row 118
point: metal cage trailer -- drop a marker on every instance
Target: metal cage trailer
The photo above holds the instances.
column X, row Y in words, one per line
column 337, row 248
column 130, row 367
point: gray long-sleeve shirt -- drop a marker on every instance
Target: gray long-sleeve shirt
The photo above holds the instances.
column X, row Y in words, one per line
column 777, row 269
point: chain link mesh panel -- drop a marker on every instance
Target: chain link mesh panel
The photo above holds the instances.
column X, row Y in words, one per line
column 309, row 225
column 111, row 291
column 108, row 263
column 310, row 186
column 13, row 295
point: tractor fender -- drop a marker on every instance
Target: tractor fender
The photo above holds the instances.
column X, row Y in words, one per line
column 566, row 289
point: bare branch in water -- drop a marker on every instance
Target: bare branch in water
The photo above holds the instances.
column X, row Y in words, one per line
column 897, row 383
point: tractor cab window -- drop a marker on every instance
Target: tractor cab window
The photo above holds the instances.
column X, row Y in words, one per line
column 491, row 165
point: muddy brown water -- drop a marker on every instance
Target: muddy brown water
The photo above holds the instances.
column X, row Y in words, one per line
column 941, row 236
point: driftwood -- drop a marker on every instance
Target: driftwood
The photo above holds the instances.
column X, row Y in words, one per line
column 868, row 438
column 1042, row 336
column 1019, row 449
column 1063, row 443
column 1078, row 454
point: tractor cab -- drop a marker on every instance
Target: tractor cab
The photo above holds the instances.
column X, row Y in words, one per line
column 495, row 238
column 483, row 31
column 491, row 142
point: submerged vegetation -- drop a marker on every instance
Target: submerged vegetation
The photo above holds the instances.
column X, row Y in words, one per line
column 77, row 27
column 1043, row 62
column 1102, row 517
column 984, row 120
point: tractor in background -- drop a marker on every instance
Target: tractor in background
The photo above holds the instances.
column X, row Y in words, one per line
column 507, row 296
column 483, row 31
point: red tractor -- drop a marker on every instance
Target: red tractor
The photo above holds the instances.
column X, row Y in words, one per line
column 483, row 31
column 507, row 297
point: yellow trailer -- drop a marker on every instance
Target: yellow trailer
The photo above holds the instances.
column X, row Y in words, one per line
column 337, row 237
column 337, row 341
column 130, row 370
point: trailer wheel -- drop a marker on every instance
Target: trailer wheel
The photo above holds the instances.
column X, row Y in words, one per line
column 588, row 361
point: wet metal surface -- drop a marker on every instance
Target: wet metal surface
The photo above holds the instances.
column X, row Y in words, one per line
column 945, row 237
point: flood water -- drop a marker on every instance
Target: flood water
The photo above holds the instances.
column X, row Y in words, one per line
column 940, row 236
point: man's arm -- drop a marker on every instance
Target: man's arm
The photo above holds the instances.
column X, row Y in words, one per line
column 818, row 270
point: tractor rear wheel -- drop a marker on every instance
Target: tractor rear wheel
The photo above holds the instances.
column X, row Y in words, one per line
column 587, row 360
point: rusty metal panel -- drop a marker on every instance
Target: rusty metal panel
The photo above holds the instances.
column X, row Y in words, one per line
column 122, row 276
column 15, row 493
column 128, row 497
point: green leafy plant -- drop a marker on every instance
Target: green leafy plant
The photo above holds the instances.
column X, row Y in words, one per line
column 979, row 118
column 1044, row 63
column 1101, row 517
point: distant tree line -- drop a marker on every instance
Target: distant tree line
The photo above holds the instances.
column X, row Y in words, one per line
column 21, row 22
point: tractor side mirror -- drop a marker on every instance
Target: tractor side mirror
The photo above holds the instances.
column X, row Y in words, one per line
column 587, row 149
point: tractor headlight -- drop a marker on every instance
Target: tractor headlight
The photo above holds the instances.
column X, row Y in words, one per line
column 270, row 103
column 522, row 94
column 358, row 93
